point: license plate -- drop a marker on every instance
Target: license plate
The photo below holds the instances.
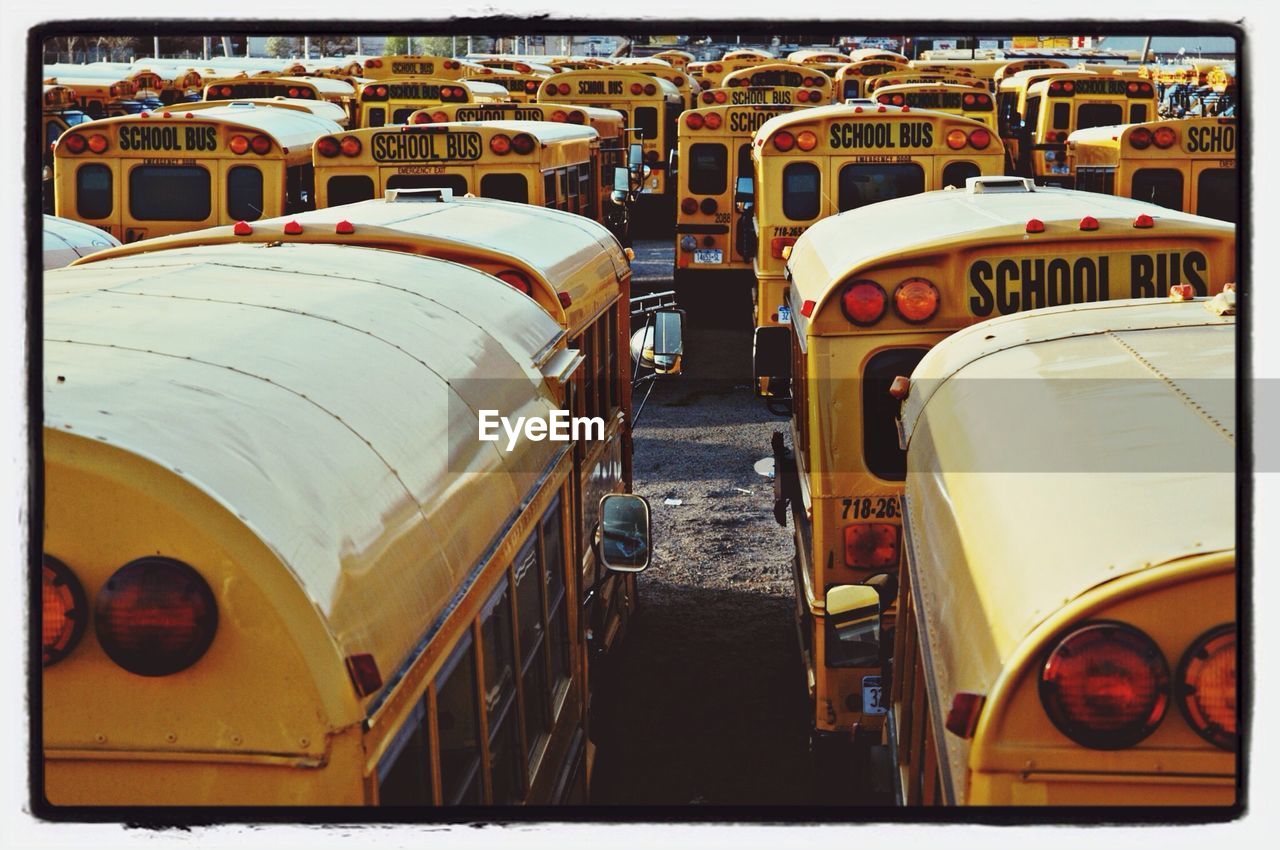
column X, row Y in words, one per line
column 710, row 255
column 872, row 695
column 784, row 315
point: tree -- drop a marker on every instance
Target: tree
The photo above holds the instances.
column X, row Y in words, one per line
column 282, row 47
column 395, row 45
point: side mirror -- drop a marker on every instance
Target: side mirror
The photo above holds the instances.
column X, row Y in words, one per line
column 635, row 157
column 771, row 359
column 853, row 626
column 624, row 532
column 744, row 194
column 660, row 346
column 621, row 186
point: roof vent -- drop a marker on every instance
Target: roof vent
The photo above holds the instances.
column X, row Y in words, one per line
column 418, row 196
column 994, row 185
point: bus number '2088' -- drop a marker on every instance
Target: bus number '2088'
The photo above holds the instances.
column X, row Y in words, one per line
column 867, row 507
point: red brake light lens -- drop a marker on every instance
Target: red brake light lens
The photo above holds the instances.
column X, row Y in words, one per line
column 522, row 143
column 515, row 279
column 980, row 138
column 97, row 143
column 807, row 140
column 238, row 145
column 74, row 143
column 155, row 616
column 957, row 138
column 714, row 121
column 64, row 612
column 1140, row 138
column 559, row 115
column 708, row 206
column 863, row 302
column 637, row 88
column 350, row 146
column 650, row 89
column 420, row 117
column 693, row 121
column 1105, row 686
column 261, row 144
column 784, row 141
column 500, row 144
column 1164, row 137
column 688, row 206
column 871, row 545
column 327, row 146
column 915, row 300
column 708, row 97
column 577, row 118
column 1207, row 687
column 721, row 97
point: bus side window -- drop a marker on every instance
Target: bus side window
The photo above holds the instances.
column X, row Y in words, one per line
column 94, row 191
column 349, row 188
column 569, row 180
column 591, row 405
column 564, row 189
column 1162, row 186
column 1033, row 115
column 611, row 371
column 549, row 189
column 461, row 781
column 404, row 773
column 1008, row 113
column 530, row 613
column 1217, row 193
column 244, row 193
column 586, row 195
column 500, row 698
column 801, row 191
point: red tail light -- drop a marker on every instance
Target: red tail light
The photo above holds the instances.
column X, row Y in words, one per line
column 577, row 118
column 650, row 89
column 327, row 146
column 915, row 300
column 292, row 92
column 714, row 121
column 226, row 91
column 1164, row 137
column 708, row 206
column 693, row 121
column 530, row 86
column 957, row 138
column 784, row 141
column 500, row 144
column 260, row 144
column 381, row 91
column 439, row 117
column 420, row 117
column 1105, row 686
column 1206, row 687
column 238, row 144
column 637, row 88
column 708, row 97
column 688, row 206
column 979, row 139
column 564, row 88
column 64, row 612
column 806, row 140
column 721, row 97
column 733, row 84
column 74, row 143
column 863, row 302
column 559, row 115
column 155, row 616
column 871, row 545
column 98, row 143
column 516, row 280
column 1141, row 138
column 802, row 96
column 523, row 143
column 350, row 146
column 779, row 243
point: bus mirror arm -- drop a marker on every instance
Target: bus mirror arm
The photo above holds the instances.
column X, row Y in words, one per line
column 786, row 484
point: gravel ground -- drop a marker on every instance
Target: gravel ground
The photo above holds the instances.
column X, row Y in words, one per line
column 705, row 703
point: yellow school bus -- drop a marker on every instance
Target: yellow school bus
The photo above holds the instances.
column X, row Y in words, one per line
column 869, row 292
column 825, row 61
column 875, row 54
column 1187, row 164
column 850, row 79
column 572, row 269
column 145, row 86
column 150, row 174
column 684, row 83
column 433, row 652
column 338, row 92
column 942, row 97
column 675, row 58
column 813, row 163
column 650, row 104
column 1008, row 69
column 65, row 241
column 1067, row 629
column 713, row 223
column 59, row 111
column 918, row 78
column 813, row 88
column 610, row 146
column 527, row 162
column 320, row 108
column 760, row 96
column 1038, row 110
column 713, row 73
column 391, row 100
column 98, row 97
column 418, row 65
column 521, row 88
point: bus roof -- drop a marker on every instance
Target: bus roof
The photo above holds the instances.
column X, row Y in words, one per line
column 1093, row 502
column 990, row 209
column 289, row 128
column 559, row 247
column 258, row 358
column 66, row 240
column 319, row 108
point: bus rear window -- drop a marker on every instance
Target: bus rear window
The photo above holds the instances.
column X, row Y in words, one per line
column 93, row 191
column 1061, row 116
column 377, row 117
column 505, row 187
column 456, row 182
column 708, row 169
column 401, row 116
column 1099, row 115
column 169, row 193
column 1137, row 113
column 880, row 411
column 1161, row 186
column 349, row 189
column 244, row 193
column 1217, row 194
column 956, row 173
column 866, row 184
column 801, row 191
column 646, row 118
